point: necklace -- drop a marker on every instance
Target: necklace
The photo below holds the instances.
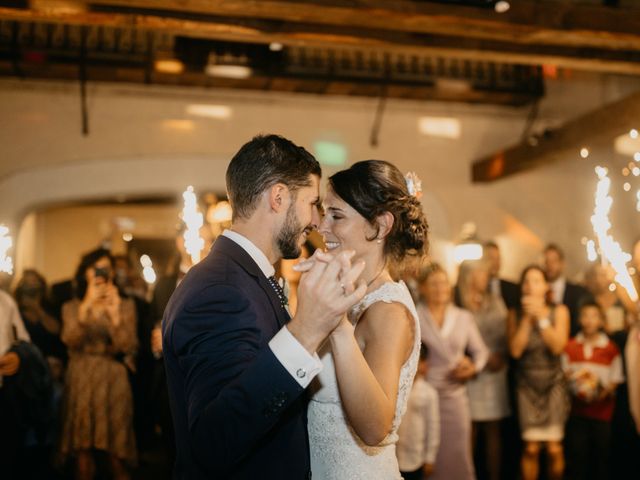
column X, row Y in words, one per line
column 376, row 277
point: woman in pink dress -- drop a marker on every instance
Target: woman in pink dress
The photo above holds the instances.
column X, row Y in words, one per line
column 456, row 354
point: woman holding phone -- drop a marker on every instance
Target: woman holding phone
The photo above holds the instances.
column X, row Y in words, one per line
column 538, row 332
column 99, row 328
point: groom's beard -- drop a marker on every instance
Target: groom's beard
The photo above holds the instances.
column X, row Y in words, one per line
column 287, row 239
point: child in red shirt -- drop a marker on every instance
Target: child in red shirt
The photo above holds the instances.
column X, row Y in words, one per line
column 593, row 367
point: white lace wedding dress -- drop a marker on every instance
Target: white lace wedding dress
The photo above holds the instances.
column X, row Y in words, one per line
column 337, row 453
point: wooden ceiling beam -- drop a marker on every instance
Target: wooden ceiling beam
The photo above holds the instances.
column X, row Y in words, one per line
column 104, row 73
column 595, row 129
column 297, row 34
column 527, row 22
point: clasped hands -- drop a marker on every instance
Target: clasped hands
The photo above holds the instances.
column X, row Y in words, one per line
column 329, row 286
column 534, row 308
column 463, row 370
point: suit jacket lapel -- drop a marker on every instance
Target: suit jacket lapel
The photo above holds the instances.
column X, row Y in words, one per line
column 240, row 256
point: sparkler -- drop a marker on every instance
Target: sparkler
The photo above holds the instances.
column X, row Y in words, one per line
column 609, row 248
column 6, row 263
column 193, row 220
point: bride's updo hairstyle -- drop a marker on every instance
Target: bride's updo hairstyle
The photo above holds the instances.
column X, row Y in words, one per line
column 372, row 187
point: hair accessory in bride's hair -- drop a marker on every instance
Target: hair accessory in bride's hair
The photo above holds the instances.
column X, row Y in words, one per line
column 414, row 184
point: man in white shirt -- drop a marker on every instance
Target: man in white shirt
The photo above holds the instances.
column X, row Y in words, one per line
column 11, row 329
column 237, row 365
column 419, row 432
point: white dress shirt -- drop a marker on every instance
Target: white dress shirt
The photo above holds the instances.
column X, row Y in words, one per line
column 301, row 365
column 10, row 322
column 419, row 432
column 494, row 287
column 557, row 290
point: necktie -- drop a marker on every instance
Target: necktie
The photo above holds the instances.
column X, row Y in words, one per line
column 279, row 291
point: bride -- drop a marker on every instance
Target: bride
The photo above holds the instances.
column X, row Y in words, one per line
column 370, row 359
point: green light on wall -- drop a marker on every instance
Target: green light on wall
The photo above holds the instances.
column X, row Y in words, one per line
column 330, row 153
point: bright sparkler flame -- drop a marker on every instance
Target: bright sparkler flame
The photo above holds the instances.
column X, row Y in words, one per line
column 6, row 263
column 193, row 220
column 611, row 250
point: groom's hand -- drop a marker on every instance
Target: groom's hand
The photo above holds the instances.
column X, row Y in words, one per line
column 325, row 292
column 348, row 275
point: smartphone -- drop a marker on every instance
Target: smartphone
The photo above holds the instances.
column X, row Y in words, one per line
column 103, row 273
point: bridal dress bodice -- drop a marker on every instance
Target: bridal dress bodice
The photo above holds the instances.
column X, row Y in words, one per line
column 337, row 453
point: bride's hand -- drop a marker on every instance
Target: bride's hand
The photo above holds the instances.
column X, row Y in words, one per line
column 344, row 328
column 348, row 276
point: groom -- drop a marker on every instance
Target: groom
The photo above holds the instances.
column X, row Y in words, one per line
column 237, row 365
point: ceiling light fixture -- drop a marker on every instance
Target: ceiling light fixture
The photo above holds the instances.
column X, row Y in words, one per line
column 220, row 112
column 228, row 66
column 169, row 65
column 502, row 6
column 445, row 127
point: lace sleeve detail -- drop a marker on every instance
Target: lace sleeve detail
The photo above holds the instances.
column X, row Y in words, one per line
column 388, row 293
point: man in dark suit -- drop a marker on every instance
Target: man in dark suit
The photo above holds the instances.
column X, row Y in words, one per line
column 509, row 291
column 510, row 294
column 562, row 291
column 157, row 392
column 236, row 365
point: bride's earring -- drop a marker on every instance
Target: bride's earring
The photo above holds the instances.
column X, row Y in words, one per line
column 379, row 240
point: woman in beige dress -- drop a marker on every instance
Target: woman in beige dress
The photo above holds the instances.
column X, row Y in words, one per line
column 99, row 329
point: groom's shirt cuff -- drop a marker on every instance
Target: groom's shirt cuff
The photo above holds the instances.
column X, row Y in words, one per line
column 300, row 364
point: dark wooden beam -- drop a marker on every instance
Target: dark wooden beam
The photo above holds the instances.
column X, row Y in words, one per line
column 103, row 73
column 592, row 130
column 298, row 34
column 527, row 22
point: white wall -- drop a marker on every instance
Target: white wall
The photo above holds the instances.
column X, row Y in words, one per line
column 53, row 240
column 132, row 150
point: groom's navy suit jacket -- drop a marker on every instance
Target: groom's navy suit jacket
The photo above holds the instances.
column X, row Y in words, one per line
column 238, row 414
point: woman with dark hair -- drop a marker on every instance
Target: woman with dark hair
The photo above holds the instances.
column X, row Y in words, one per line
column 37, row 312
column 371, row 358
column 538, row 332
column 99, row 328
column 456, row 354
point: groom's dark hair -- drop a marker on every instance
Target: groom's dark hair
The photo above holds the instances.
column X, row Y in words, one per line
column 260, row 164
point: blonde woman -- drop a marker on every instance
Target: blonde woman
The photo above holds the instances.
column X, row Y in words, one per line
column 488, row 395
column 456, row 354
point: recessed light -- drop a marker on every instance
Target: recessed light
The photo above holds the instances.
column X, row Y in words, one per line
column 228, row 71
column 178, row 124
column 221, row 112
column 169, row 65
column 502, row 6
column 446, row 127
